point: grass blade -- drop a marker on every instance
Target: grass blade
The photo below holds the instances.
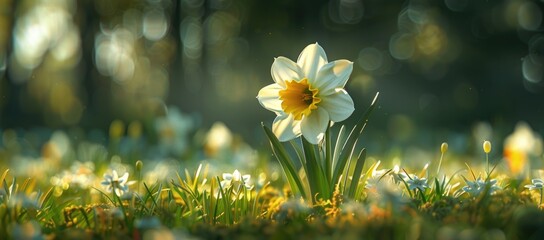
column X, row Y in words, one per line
column 361, row 159
column 328, row 156
column 351, row 140
column 338, row 145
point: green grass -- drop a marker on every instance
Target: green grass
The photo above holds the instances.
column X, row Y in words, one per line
column 365, row 201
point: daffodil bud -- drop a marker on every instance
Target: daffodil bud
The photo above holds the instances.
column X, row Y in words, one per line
column 487, row 146
column 444, row 147
column 139, row 165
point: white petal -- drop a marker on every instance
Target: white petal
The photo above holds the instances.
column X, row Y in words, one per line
column 115, row 176
column 107, row 177
column 314, row 125
column 284, row 69
column 124, row 178
column 285, row 127
column 269, row 97
column 236, row 175
column 311, row 59
column 227, row 176
column 333, row 75
column 339, row 105
column 246, row 178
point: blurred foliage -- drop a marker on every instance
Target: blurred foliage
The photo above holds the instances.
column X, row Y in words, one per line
column 442, row 64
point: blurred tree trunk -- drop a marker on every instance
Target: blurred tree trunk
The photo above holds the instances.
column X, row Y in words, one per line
column 10, row 91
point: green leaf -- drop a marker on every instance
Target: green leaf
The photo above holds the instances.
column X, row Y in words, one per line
column 328, row 156
column 224, row 199
column 347, row 149
column 366, row 176
column 105, row 195
column 438, row 188
column 316, row 176
column 338, row 145
column 361, row 159
column 285, row 162
column 347, row 168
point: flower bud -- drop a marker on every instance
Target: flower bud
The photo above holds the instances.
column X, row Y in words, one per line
column 139, row 165
column 487, row 146
column 444, row 147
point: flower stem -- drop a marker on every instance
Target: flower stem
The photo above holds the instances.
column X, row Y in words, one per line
column 487, row 164
column 316, row 176
column 422, row 195
column 439, row 164
column 540, row 204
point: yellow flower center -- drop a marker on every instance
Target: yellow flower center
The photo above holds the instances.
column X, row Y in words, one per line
column 299, row 98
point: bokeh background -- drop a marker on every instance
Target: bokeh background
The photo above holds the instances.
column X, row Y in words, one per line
column 446, row 70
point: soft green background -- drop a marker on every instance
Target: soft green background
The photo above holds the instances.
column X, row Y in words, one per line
column 439, row 65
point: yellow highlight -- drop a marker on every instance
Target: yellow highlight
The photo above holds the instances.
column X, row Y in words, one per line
column 299, row 98
column 444, row 147
column 487, row 147
column 117, row 129
column 520, row 146
column 516, row 159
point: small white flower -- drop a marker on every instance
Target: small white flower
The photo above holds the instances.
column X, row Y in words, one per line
column 537, row 184
column 82, row 174
column 115, row 183
column 416, row 182
column 234, row 178
column 376, row 176
column 474, row 188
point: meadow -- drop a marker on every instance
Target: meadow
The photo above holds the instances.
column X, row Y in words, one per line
column 66, row 184
column 238, row 119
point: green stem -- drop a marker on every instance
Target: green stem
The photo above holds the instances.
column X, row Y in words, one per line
column 487, row 164
column 540, row 198
column 439, row 164
column 328, row 155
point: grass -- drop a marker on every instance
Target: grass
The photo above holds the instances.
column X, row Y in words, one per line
column 64, row 198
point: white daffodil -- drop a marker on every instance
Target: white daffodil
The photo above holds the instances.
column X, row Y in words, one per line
column 307, row 95
column 115, row 183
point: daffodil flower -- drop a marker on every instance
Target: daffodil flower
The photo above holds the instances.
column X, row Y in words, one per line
column 307, row 95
